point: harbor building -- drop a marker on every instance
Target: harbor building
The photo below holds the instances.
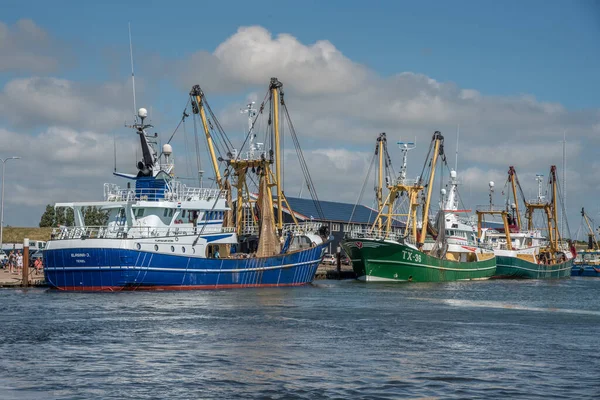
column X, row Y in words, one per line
column 339, row 217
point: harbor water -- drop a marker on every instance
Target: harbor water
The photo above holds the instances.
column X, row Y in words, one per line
column 330, row 340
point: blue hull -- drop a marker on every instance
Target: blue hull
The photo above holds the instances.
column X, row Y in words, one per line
column 585, row 270
column 108, row 269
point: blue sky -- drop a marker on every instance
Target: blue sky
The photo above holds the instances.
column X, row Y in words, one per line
column 515, row 76
column 547, row 48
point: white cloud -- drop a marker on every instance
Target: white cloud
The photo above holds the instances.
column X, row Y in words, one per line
column 27, row 47
column 41, row 101
column 58, row 164
column 525, row 154
column 338, row 107
column 252, row 56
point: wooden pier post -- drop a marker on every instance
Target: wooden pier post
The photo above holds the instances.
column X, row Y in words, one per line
column 25, row 274
column 339, row 262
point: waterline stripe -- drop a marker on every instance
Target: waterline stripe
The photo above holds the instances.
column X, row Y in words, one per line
column 433, row 266
column 134, row 268
column 533, row 270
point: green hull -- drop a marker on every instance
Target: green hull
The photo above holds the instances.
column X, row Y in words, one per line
column 374, row 260
column 513, row 267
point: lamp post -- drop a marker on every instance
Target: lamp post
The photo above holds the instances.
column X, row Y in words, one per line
column 4, row 160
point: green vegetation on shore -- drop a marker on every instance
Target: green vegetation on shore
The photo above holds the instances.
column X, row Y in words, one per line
column 16, row 235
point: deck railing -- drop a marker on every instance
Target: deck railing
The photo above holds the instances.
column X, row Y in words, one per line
column 537, row 201
column 488, row 207
column 301, row 228
column 398, row 237
column 176, row 191
column 376, row 235
column 112, row 232
column 104, row 232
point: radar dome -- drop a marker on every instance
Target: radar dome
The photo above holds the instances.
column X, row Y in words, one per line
column 142, row 113
column 453, row 174
column 167, row 149
column 443, row 192
column 491, row 184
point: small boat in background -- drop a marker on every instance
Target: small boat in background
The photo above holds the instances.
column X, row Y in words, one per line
column 526, row 253
column 587, row 262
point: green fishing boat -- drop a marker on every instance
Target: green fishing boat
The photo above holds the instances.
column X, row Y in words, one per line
column 516, row 267
column 527, row 253
column 389, row 251
column 389, row 260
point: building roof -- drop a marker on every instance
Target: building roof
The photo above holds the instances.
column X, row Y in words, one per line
column 333, row 211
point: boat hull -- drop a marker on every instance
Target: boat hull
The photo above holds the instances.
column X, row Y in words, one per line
column 514, row 267
column 374, row 260
column 115, row 269
column 585, row 270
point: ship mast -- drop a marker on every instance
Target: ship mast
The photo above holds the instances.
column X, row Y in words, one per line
column 551, row 211
column 438, row 138
column 512, row 178
column 537, row 204
column 275, row 87
column 592, row 242
column 379, row 150
column 557, row 237
column 395, row 189
column 491, row 210
column 198, row 95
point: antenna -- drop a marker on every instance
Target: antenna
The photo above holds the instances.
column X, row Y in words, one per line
column 251, row 111
column 115, row 149
column 457, row 136
column 564, row 183
column 405, row 147
column 539, row 178
column 132, row 74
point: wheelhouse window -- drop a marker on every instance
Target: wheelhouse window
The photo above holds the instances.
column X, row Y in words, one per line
column 140, row 213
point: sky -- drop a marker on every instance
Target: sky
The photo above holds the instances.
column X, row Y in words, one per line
column 515, row 76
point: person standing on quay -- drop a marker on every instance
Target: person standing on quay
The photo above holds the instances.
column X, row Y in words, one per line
column 11, row 262
column 37, row 264
column 19, row 262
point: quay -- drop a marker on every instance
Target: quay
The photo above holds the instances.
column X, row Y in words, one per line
column 8, row 280
column 27, row 276
column 331, row 272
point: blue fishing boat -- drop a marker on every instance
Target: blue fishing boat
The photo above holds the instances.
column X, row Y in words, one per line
column 587, row 262
column 162, row 234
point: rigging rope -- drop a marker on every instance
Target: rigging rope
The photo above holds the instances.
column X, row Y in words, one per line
column 197, row 144
column 562, row 207
column 303, row 165
column 362, row 190
column 188, row 164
